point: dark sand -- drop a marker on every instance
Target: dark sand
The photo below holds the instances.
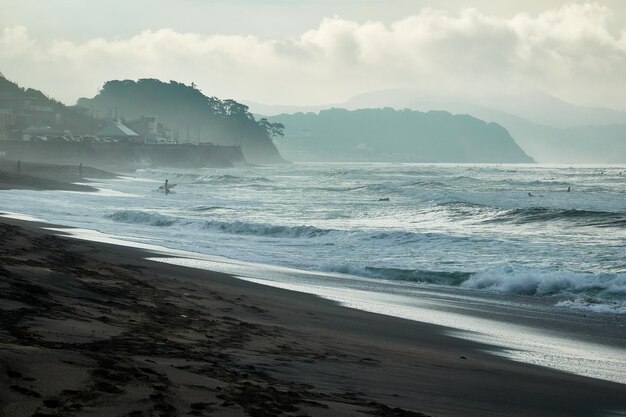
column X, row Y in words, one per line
column 43, row 176
column 95, row 329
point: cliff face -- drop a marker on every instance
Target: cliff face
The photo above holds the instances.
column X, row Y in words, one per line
column 391, row 135
column 191, row 115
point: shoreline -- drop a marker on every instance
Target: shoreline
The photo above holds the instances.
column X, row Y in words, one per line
column 536, row 333
column 119, row 331
column 596, row 328
column 27, row 175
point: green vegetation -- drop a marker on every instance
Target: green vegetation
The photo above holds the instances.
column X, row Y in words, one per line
column 395, row 135
column 30, row 107
column 190, row 115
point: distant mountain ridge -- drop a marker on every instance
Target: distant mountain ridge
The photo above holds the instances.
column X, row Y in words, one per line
column 396, row 135
column 536, row 107
column 546, row 128
column 593, row 144
column 192, row 116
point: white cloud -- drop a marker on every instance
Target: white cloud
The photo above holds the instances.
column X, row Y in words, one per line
column 568, row 52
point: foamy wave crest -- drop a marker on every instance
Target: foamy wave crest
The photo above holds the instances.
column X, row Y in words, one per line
column 533, row 281
column 543, row 214
column 593, row 305
column 141, row 217
column 209, row 208
column 178, row 176
column 427, row 185
column 231, row 179
column 257, row 229
column 236, row 227
column 599, row 293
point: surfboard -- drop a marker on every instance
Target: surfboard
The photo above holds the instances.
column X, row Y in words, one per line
column 169, row 186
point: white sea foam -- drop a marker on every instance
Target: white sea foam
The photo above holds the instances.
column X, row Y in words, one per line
column 472, row 227
column 590, row 304
column 510, row 279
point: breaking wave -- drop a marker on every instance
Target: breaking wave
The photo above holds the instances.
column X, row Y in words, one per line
column 597, row 292
column 400, row 274
column 525, row 215
column 534, row 281
column 259, row 229
column 263, row 229
column 600, row 292
column 231, row 179
column 236, row 227
column 543, row 214
column 209, row 208
column 141, row 217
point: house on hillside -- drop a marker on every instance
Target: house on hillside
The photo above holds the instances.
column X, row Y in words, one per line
column 31, row 110
column 7, row 123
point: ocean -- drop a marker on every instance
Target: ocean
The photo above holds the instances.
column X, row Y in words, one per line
column 397, row 233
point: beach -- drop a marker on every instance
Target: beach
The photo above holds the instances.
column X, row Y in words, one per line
column 92, row 328
column 313, row 209
column 96, row 329
column 43, row 176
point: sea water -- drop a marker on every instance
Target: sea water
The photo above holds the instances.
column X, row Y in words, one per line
column 512, row 231
column 473, row 227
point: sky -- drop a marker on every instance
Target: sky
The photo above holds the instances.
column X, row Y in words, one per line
column 306, row 52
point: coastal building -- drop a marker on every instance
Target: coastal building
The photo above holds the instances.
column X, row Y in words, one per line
column 40, row 133
column 117, row 131
column 7, row 123
column 31, row 110
column 150, row 130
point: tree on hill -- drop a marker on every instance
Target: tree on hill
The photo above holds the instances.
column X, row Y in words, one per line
column 273, row 129
column 194, row 116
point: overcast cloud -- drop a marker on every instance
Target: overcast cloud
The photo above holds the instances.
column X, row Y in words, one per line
column 568, row 52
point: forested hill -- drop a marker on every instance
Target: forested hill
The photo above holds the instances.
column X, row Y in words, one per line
column 395, row 135
column 190, row 114
column 50, row 112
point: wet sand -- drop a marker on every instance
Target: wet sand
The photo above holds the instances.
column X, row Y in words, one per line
column 44, row 176
column 95, row 329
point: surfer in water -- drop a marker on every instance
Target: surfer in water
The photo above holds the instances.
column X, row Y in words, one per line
column 166, row 188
